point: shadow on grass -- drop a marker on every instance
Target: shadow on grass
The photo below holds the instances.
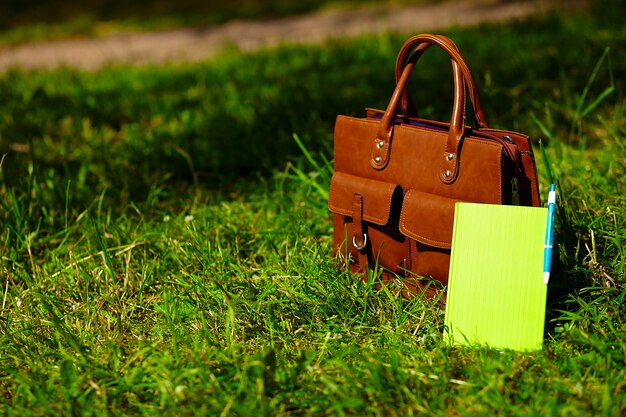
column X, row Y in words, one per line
column 125, row 129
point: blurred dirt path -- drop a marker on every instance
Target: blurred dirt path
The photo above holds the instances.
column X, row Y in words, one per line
column 197, row 44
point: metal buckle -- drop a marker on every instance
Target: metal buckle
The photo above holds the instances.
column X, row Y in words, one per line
column 360, row 247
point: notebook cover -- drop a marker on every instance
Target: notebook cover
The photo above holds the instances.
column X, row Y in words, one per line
column 496, row 295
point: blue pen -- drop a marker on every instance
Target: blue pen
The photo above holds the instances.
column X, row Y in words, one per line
column 547, row 248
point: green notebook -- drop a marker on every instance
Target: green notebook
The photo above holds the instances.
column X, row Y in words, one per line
column 496, row 295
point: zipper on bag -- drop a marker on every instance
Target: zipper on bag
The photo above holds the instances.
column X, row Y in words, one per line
column 514, row 192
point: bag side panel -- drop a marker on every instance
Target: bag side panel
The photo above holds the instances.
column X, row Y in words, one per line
column 416, row 157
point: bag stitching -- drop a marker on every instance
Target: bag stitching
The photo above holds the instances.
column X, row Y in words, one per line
column 369, row 218
column 416, row 236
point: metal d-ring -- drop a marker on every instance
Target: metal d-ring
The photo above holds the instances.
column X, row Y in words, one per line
column 357, row 246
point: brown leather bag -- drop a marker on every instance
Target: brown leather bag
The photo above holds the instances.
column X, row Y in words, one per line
column 398, row 177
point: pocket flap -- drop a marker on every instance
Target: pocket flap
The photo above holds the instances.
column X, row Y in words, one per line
column 428, row 218
column 377, row 196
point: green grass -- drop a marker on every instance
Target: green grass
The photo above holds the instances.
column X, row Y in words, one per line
column 165, row 245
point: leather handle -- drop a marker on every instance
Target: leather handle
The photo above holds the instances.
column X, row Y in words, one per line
column 463, row 76
column 408, row 106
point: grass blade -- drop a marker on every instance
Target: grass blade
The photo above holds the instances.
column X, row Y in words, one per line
column 546, row 162
column 103, row 249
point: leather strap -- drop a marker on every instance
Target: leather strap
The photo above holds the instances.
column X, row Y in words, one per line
column 405, row 55
column 407, row 103
column 450, row 159
column 359, row 237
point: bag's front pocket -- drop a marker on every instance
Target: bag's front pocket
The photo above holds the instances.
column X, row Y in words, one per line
column 428, row 220
column 366, row 215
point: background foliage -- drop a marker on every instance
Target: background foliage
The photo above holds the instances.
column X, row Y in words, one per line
column 47, row 19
